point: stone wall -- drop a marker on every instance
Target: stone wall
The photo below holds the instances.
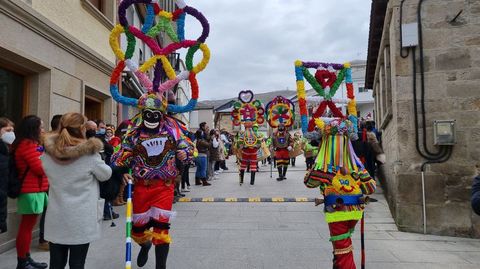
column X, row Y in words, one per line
column 452, row 79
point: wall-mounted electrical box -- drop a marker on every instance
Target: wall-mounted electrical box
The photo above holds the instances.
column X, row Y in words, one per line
column 444, row 133
column 409, row 35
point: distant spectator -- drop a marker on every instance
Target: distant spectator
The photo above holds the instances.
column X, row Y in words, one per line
column 75, row 167
column 476, row 193
column 203, row 145
column 33, row 194
column 55, row 123
column 109, row 134
column 119, row 133
column 214, row 156
column 7, row 136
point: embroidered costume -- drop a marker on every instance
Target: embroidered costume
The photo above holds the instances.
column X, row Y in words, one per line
column 154, row 147
column 337, row 170
column 281, row 115
column 249, row 113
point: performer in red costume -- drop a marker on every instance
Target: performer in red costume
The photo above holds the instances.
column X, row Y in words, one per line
column 152, row 147
column 249, row 113
column 281, row 115
column 282, row 144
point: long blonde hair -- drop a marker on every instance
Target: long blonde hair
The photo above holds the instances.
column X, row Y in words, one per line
column 71, row 131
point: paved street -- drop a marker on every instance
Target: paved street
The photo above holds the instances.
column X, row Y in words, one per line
column 275, row 234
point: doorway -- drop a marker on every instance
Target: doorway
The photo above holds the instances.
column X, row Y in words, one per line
column 93, row 108
column 12, row 95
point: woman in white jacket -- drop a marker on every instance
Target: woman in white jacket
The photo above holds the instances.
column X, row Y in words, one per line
column 74, row 167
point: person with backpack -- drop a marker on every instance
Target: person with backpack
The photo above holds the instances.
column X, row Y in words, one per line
column 32, row 198
column 75, row 168
column 7, row 136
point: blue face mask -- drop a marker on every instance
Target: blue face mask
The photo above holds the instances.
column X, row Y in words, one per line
column 101, row 131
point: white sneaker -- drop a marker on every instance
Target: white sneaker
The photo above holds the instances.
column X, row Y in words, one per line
column 188, row 187
column 216, row 172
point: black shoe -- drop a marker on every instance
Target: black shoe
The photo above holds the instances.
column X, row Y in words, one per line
column 22, row 263
column 38, row 265
column 114, row 215
column 143, row 254
column 279, row 178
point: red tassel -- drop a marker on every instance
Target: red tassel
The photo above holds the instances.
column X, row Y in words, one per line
column 350, row 93
column 156, row 8
column 117, row 72
column 303, row 107
column 176, row 14
column 320, row 110
column 194, row 85
column 335, row 111
column 311, row 125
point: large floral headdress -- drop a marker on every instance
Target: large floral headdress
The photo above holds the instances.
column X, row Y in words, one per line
column 326, row 81
column 280, row 111
column 247, row 110
column 157, row 21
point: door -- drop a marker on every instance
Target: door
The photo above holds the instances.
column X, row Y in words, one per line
column 12, row 95
column 93, row 108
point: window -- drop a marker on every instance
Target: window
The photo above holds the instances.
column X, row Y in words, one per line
column 141, row 57
column 97, row 4
column 102, row 10
column 361, row 88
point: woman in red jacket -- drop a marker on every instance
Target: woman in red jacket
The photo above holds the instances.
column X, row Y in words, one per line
column 33, row 194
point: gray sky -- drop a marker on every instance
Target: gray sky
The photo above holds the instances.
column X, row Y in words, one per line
column 254, row 43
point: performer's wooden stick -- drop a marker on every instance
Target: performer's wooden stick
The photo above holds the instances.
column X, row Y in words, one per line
column 128, row 250
column 362, row 239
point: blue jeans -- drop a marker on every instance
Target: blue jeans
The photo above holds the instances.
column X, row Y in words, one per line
column 201, row 167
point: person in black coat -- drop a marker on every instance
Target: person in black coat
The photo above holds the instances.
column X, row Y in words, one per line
column 7, row 136
column 476, row 195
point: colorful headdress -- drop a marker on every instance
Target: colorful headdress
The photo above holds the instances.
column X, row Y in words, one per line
column 326, row 81
column 336, row 150
column 247, row 110
column 159, row 61
column 280, row 111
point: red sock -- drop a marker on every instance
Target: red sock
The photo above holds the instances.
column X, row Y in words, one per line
column 24, row 236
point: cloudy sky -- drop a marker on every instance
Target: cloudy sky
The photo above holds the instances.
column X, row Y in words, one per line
column 254, row 43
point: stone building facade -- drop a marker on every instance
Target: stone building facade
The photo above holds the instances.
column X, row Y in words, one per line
column 451, row 58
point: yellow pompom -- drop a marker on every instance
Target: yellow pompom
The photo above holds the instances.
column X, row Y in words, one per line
column 320, row 123
column 352, row 107
column 149, row 64
column 165, row 14
column 206, row 58
column 168, row 68
column 114, row 41
column 298, row 63
column 347, row 65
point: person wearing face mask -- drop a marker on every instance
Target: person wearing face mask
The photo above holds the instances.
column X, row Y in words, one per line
column 97, row 130
column 7, row 136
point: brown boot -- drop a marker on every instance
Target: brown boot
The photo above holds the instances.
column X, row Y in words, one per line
column 119, row 200
column 197, row 181
column 205, row 183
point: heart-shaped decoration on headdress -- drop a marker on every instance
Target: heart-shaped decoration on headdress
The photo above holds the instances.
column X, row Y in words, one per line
column 245, row 96
column 325, row 78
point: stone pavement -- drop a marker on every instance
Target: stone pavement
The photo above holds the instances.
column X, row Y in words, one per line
column 275, row 235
